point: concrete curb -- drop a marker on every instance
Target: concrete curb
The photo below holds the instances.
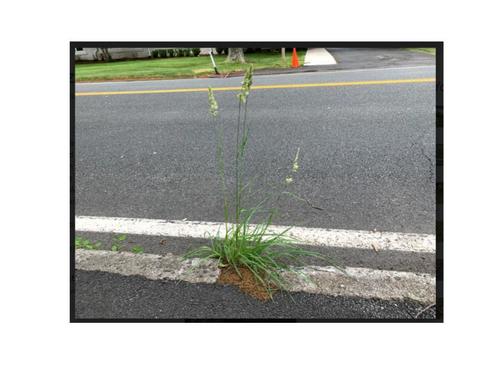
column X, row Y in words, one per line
column 359, row 282
column 365, row 283
column 150, row 266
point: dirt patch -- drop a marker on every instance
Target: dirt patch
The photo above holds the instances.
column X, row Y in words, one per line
column 247, row 282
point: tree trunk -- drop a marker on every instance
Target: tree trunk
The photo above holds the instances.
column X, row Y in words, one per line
column 103, row 54
column 235, row 55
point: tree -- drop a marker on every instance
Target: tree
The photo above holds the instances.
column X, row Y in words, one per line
column 235, row 55
column 103, row 54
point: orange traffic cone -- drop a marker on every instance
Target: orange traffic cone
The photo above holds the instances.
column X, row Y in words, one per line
column 295, row 59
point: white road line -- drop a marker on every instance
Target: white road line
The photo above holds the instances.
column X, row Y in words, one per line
column 341, row 238
column 360, row 282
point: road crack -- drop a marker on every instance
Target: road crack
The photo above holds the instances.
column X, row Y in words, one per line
column 431, row 166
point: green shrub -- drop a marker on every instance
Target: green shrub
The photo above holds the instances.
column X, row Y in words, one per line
column 252, row 50
column 196, row 51
column 155, row 53
column 163, row 53
column 221, row 51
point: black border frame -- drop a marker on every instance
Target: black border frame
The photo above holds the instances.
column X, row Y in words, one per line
column 439, row 167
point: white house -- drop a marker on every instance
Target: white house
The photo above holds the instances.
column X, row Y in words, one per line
column 116, row 53
column 93, row 54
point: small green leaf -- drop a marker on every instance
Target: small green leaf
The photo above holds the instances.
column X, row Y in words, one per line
column 121, row 237
column 137, row 250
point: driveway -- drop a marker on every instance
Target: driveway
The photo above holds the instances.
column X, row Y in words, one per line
column 366, row 58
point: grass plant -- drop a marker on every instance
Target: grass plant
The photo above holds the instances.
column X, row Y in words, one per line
column 242, row 243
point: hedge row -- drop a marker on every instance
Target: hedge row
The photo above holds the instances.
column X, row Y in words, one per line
column 175, row 52
column 185, row 52
column 223, row 51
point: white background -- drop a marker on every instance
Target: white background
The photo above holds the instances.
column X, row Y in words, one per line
column 36, row 336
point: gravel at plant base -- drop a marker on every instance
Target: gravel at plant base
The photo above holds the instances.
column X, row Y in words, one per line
column 102, row 295
column 245, row 281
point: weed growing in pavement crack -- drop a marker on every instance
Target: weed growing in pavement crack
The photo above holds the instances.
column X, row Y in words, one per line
column 116, row 244
column 82, row 243
column 137, row 250
column 245, row 245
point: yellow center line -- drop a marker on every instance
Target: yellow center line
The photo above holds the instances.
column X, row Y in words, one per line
column 260, row 87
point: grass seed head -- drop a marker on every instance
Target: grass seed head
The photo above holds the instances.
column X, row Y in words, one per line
column 295, row 166
column 245, row 86
column 214, row 107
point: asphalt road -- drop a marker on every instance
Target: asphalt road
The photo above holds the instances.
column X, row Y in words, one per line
column 364, row 58
column 101, row 295
column 367, row 152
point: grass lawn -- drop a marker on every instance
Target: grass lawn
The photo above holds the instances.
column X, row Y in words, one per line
column 177, row 67
column 431, row 51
